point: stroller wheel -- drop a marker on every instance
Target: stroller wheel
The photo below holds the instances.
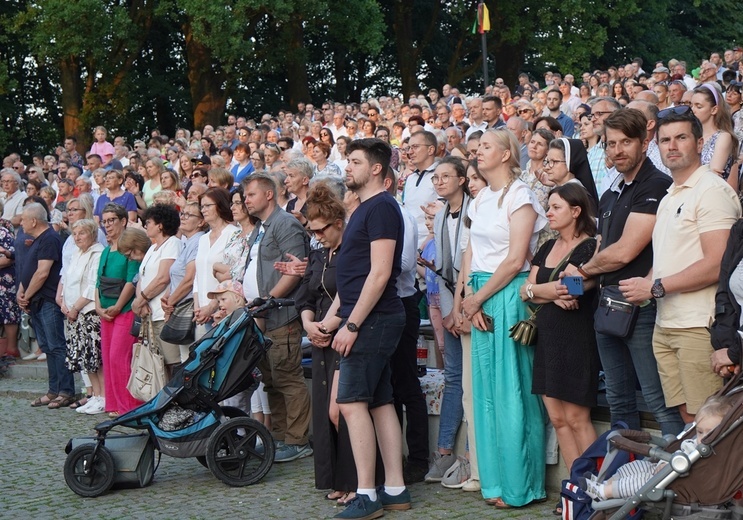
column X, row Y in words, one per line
column 232, row 455
column 229, row 412
column 86, row 476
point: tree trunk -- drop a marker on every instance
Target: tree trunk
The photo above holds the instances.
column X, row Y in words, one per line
column 508, row 60
column 342, row 83
column 296, row 63
column 206, row 78
column 407, row 56
column 69, row 79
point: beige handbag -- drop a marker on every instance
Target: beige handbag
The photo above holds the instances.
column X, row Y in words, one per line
column 148, row 366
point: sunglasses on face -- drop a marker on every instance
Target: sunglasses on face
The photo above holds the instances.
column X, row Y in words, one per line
column 679, row 111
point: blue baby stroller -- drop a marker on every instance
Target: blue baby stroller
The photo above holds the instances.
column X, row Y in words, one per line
column 238, row 450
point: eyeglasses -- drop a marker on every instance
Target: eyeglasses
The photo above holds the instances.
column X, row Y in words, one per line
column 70, row 210
column 594, row 115
column 525, row 110
column 679, row 111
column 243, row 134
column 185, row 215
column 110, row 221
column 255, row 158
column 320, row 231
column 443, row 179
column 550, row 163
column 274, row 146
column 204, row 206
column 197, row 174
column 405, row 151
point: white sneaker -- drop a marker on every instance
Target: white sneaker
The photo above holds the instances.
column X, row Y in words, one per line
column 81, row 409
column 471, row 485
column 98, row 405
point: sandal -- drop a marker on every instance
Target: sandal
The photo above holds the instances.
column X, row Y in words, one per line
column 62, row 401
column 80, row 402
column 44, row 400
column 346, row 498
column 500, row 504
column 557, row 511
column 113, row 415
column 335, row 495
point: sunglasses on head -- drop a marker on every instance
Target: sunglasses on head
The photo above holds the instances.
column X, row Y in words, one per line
column 679, row 111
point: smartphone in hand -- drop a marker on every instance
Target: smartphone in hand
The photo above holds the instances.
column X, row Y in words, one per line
column 574, row 285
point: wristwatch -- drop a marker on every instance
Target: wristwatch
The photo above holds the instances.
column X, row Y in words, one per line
column 657, row 290
column 352, row 327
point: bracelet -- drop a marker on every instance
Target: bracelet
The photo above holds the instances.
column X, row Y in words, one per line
column 529, row 292
column 583, row 273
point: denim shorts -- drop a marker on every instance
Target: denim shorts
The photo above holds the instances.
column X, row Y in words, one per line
column 365, row 372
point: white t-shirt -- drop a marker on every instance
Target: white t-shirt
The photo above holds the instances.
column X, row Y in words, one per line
column 250, row 280
column 490, row 231
column 208, row 255
column 419, row 191
column 168, row 250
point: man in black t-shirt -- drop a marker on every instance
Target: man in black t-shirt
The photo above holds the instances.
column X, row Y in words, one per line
column 372, row 321
column 626, row 220
column 38, row 277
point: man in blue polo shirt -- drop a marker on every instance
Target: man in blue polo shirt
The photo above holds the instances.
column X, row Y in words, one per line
column 372, row 322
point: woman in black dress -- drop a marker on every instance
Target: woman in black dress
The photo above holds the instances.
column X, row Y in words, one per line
column 334, row 464
column 566, row 364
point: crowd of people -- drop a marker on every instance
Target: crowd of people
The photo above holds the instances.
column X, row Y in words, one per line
column 482, row 204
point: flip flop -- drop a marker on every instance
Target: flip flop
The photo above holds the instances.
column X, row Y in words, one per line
column 346, row 498
column 335, row 495
column 62, row 401
column 39, row 401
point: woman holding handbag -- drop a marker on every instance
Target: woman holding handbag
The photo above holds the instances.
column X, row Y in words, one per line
column 180, row 293
column 566, row 364
column 161, row 225
column 113, row 300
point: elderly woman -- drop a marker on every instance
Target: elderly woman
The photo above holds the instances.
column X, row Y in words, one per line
column 221, row 178
column 320, row 155
column 55, row 216
column 10, row 312
column 83, row 325
column 161, row 223
column 215, row 207
column 299, row 172
column 115, row 192
column 154, row 168
column 183, row 270
column 113, row 298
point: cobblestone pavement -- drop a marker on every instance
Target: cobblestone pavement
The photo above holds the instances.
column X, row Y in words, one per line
column 32, row 458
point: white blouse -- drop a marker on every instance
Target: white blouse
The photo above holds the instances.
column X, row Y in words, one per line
column 80, row 276
column 208, row 255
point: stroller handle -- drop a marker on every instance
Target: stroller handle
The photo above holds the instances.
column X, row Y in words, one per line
column 261, row 305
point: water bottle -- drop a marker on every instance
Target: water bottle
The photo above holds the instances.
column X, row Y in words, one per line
column 421, row 356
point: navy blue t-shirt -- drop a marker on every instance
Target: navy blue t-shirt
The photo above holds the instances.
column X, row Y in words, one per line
column 47, row 246
column 376, row 218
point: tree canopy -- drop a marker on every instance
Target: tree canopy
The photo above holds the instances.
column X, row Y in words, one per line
column 133, row 65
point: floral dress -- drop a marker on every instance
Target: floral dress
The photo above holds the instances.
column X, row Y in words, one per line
column 10, row 312
column 236, row 255
column 708, row 150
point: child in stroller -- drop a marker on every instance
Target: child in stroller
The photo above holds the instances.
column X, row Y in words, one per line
column 630, row 477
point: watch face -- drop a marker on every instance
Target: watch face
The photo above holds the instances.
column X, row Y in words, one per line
column 352, row 327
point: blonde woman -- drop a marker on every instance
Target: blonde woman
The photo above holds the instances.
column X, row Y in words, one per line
column 506, row 219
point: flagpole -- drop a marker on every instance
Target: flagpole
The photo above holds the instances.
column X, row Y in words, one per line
column 484, row 60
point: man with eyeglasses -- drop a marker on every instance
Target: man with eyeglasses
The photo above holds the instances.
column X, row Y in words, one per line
column 626, row 219
column 689, row 239
column 12, row 196
column 419, row 189
column 603, row 175
column 337, row 126
column 707, row 73
column 443, row 117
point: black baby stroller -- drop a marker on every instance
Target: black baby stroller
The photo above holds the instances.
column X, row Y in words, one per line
column 238, row 450
column 701, row 484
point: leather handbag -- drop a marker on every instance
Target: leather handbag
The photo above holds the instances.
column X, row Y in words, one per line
column 615, row 316
column 148, row 366
column 180, row 329
column 525, row 331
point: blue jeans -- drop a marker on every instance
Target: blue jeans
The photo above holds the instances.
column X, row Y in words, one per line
column 451, row 402
column 48, row 323
column 627, row 360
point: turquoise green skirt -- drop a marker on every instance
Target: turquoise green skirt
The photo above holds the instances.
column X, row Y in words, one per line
column 509, row 419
